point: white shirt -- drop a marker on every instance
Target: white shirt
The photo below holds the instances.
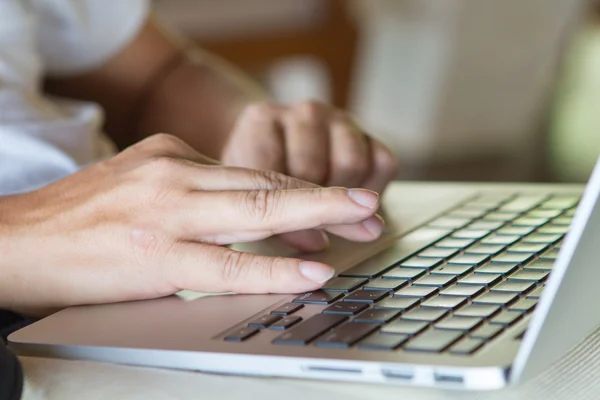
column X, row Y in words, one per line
column 43, row 139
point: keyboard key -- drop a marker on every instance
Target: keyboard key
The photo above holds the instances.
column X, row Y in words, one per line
column 486, row 225
column 466, row 346
column 416, row 291
column 450, row 302
column 469, row 259
column 287, row 309
column 544, row 239
column 521, row 204
column 480, row 279
column 516, row 230
column 544, row 265
column 264, row 322
column 241, row 334
column 433, row 341
column 421, row 262
column 309, row 329
column 513, row 286
column 525, row 221
column 345, row 335
column 341, row 284
column 469, row 213
column 451, row 223
column 456, row 270
column 497, row 268
column 523, row 305
column 487, row 331
column 511, row 258
column 501, row 298
column 424, row 314
column 397, row 303
column 383, row 341
column 478, row 310
column 386, row 284
column 486, row 249
column 541, row 213
column 463, row 290
column 403, row 248
column 366, row 296
column 560, row 202
column 470, row 234
column 405, row 327
column 345, row 308
column 506, row 318
column 454, row 243
column 536, row 293
column 435, row 280
column 377, row 316
column 530, row 275
column 482, row 205
column 562, row 221
column 501, row 216
column 404, row 273
column 553, row 229
column 501, row 239
column 457, row 323
column 530, row 248
column 550, row 255
column 285, row 323
column 438, row 252
column 318, row 297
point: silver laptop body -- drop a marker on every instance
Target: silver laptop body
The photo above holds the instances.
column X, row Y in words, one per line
column 207, row 332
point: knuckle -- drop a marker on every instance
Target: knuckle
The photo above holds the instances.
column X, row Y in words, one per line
column 311, row 173
column 386, row 160
column 232, row 266
column 261, row 204
column 164, row 141
column 160, row 167
column 258, row 112
column 309, row 109
column 269, row 180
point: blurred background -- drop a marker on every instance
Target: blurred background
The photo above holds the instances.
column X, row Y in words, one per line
column 501, row 90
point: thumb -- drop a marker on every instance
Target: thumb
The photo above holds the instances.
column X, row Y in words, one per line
column 209, row 268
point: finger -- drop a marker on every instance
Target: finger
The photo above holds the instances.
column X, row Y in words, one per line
column 307, row 142
column 219, row 178
column 309, row 241
column 239, row 216
column 385, row 167
column 350, row 154
column 257, row 140
column 206, row 268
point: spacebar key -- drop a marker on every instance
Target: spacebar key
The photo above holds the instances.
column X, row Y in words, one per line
column 310, row 329
column 403, row 248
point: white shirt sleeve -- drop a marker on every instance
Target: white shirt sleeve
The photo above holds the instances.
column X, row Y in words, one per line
column 43, row 139
column 77, row 35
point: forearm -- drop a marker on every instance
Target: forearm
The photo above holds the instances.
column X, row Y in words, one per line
column 163, row 83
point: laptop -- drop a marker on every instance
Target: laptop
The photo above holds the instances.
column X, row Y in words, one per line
column 474, row 286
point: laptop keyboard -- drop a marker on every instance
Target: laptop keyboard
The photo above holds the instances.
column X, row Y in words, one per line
column 462, row 280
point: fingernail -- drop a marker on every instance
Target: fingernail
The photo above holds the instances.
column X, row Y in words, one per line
column 316, row 272
column 374, row 225
column 324, row 242
column 364, row 197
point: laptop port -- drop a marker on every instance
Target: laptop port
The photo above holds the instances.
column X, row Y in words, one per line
column 449, row 378
column 398, row 374
column 318, row 368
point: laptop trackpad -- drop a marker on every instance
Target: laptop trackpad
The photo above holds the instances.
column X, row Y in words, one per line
column 167, row 323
